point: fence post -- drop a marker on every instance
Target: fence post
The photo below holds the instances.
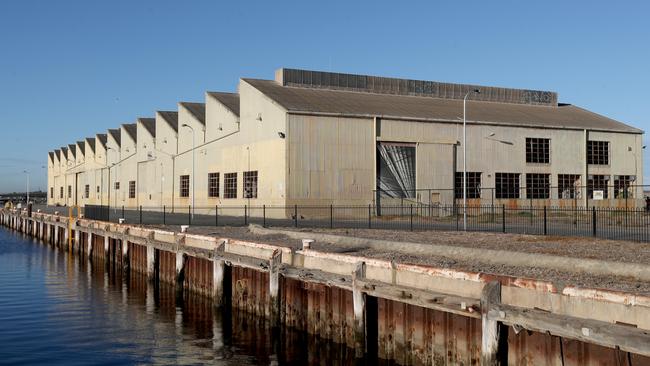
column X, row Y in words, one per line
column 544, row 220
column 216, row 215
column 189, row 215
column 264, row 215
column 411, row 217
column 503, row 218
column 331, row 216
column 245, row 215
column 164, row 215
column 295, row 215
column 140, row 208
column 369, row 217
column 593, row 220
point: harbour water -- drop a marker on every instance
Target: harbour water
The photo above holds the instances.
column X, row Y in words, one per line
column 59, row 309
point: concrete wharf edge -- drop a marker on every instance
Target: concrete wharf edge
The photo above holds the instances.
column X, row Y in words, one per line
column 611, row 319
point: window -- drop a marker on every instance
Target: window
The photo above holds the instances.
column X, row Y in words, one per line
column 117, row 186
column 61, row 195
column 598, row 152
column 97, row 189
column 51, row 192
column 185, row 186
column 69, row 191
column 622, row 186
column 213, row 185
column 537, row 186
column 568, row 186
column 230, row 185
column 87, row 191
column 597, row 183
column 538, row 150
column 507, row 185
column 132, row 189
column 250, row 184
column 473, row 185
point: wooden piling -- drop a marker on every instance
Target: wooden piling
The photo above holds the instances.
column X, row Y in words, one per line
column 359, row 304
column 490, row 295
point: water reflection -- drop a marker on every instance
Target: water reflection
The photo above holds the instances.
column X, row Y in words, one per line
column 71, row 310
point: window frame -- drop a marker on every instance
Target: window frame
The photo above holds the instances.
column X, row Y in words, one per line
column 230, row 185
column 538, row 186
column 567, row 182
column 184, row 186
column 87, row 190
column 624, row 182
column 591, row 186
column 213, row 184
column 507, row 192
column 473, row 185
column 132, row 189
column 538, row 150
column 598, row 147
column 250, row 179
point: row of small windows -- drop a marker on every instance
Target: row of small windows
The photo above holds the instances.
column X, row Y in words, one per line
column 538, row 151
column 538, row 185
column 230, row 186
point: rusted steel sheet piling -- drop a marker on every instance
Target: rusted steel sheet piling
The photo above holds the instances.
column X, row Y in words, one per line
column 406, row 313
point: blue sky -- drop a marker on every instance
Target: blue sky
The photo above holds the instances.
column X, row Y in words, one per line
column 70, row 69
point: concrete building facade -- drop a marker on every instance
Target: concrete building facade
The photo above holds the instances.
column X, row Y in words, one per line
column 317, row 138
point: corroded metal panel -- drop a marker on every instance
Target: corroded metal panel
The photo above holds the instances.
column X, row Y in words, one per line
column 321, row 310
column 532, row 348
column 414, row 335
column 167, row 266
column 250, row 291
column 138, row 258
column 198, row 275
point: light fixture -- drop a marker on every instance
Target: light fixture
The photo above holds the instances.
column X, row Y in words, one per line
column 281, row 134
column 491, row 134
column 259, row 117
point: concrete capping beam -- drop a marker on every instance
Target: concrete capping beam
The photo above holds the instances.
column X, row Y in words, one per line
column 256, row 250
column 202, row 242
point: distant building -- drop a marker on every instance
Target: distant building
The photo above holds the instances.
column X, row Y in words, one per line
column 318, row 138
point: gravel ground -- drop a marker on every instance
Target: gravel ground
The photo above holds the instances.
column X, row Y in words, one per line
column 562, row 246
column 578, row 247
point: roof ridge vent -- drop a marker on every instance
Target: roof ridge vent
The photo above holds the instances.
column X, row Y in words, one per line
column 422, row 88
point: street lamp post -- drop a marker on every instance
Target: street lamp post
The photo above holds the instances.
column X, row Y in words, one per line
column 27, row 188
column 477, row 91
column 193, row 148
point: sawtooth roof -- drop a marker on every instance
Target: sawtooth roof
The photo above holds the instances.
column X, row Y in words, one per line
column 171, row 118
column 116, row 133
column 132, row 130
column 196, row 109
column 363, row 104
column 149, row 124
column 103, row 138
column 229, row 100
column 91, row 143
